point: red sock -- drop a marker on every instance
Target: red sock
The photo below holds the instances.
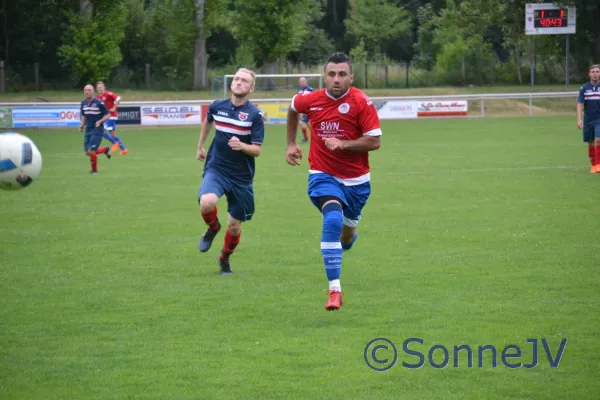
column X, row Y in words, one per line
column 596, row 158
column 94, row 162
column 101, row 150
column 211, row 219
column 304, row 133
column 231, row 243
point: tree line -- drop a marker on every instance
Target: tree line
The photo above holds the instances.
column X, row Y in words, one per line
column 452, row 42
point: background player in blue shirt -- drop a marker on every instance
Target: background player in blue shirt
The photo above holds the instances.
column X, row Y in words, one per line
column 304, row 87
column 93, row 113
column 588, row 104
column 229, row 168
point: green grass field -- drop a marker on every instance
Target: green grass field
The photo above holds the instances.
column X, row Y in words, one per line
column 478, row 232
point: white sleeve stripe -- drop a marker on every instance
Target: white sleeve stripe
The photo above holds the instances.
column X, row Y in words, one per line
column 118, row 98
column 374, row 132
column 292, row 105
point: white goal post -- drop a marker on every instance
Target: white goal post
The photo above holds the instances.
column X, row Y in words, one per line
column 320, row 76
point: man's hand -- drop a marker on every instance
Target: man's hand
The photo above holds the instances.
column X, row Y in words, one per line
column 236, row 144
column 81, row 128
column 98, row 124
column 293, row 154
column 334, row 144
column 580, row 124
column 201, row 154
column 113, row 109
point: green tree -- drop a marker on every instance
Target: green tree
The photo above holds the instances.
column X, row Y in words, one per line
column 91, row 42
column 377, row 21
column 272, row 29
column 425, row 48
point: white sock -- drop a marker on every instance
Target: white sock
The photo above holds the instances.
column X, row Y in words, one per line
column 335, row 285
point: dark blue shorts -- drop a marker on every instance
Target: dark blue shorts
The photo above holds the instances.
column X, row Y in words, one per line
column 92, row 139
column 591, row 130
column 240, row 197
column 353, row 198
column 304, row 118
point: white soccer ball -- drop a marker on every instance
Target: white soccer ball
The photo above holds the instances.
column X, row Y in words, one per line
column 20, row 161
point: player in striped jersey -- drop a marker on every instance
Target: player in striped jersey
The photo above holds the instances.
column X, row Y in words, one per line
column 229, row 168
column 588, row 104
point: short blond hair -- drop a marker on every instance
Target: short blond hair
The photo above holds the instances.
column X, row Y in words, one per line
column 250, row 72
column 594, row 66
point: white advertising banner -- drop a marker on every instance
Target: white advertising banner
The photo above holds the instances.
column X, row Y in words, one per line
column 397, row 110
column 171, row 114
column 442, row 108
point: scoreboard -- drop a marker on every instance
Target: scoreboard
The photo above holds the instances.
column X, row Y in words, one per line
column 549, row 19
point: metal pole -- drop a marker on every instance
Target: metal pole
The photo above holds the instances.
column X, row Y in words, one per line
column 530, row 105
column 2, row 85
column 532, row 60
column 482, row 107
column 224, row 86
column 567, row 63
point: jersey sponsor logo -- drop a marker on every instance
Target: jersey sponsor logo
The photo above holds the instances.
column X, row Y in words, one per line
column 316, row 108
column 243, row 116
column 223, row 113
column 329, row 128
column 344, row 108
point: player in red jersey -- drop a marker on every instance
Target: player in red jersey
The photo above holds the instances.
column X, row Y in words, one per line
column 111, row 100
column 344, row 128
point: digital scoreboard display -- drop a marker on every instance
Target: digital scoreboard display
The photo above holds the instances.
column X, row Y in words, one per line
column 549, row 19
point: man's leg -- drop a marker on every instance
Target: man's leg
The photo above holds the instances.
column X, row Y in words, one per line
column 357, row 197
column 304, row 127
column 210, row 191
column 240, row 206
column 108, row 135
column 328, row 197
column 92, row 149
column 596, row 130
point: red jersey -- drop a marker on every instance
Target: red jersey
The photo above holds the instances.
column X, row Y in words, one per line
column 109, row 99
column 349, row 117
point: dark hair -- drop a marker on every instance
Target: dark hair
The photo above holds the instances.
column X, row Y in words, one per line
column 594, row 66
column 339, row 58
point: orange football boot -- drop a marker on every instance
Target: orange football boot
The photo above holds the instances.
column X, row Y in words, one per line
column 335, row 300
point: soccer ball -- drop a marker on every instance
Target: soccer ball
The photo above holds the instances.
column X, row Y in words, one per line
column 20, row 161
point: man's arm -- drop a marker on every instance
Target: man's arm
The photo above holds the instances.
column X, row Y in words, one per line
column 82, row 122
column 579, row 112
column 252, row 150
column 204, row 131
column 292, row 126
column 365, row 143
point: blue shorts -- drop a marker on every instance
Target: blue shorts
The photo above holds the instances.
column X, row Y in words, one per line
column 240, row 197
column 92, row 139
column 304, row 118
column 110, row 125
column 353, row 198
column 591, row 130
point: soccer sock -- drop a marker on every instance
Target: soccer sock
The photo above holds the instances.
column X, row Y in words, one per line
column 596, row 159
column 211, row 219
column 108, row 137
column 121, row 145
column 304, row 133
column 101, row 150
column 591, row 154
column 331, row 247
column 94, row 162
column 231, row 243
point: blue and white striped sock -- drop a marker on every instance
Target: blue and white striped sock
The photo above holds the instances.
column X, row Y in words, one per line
column 331, row 247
